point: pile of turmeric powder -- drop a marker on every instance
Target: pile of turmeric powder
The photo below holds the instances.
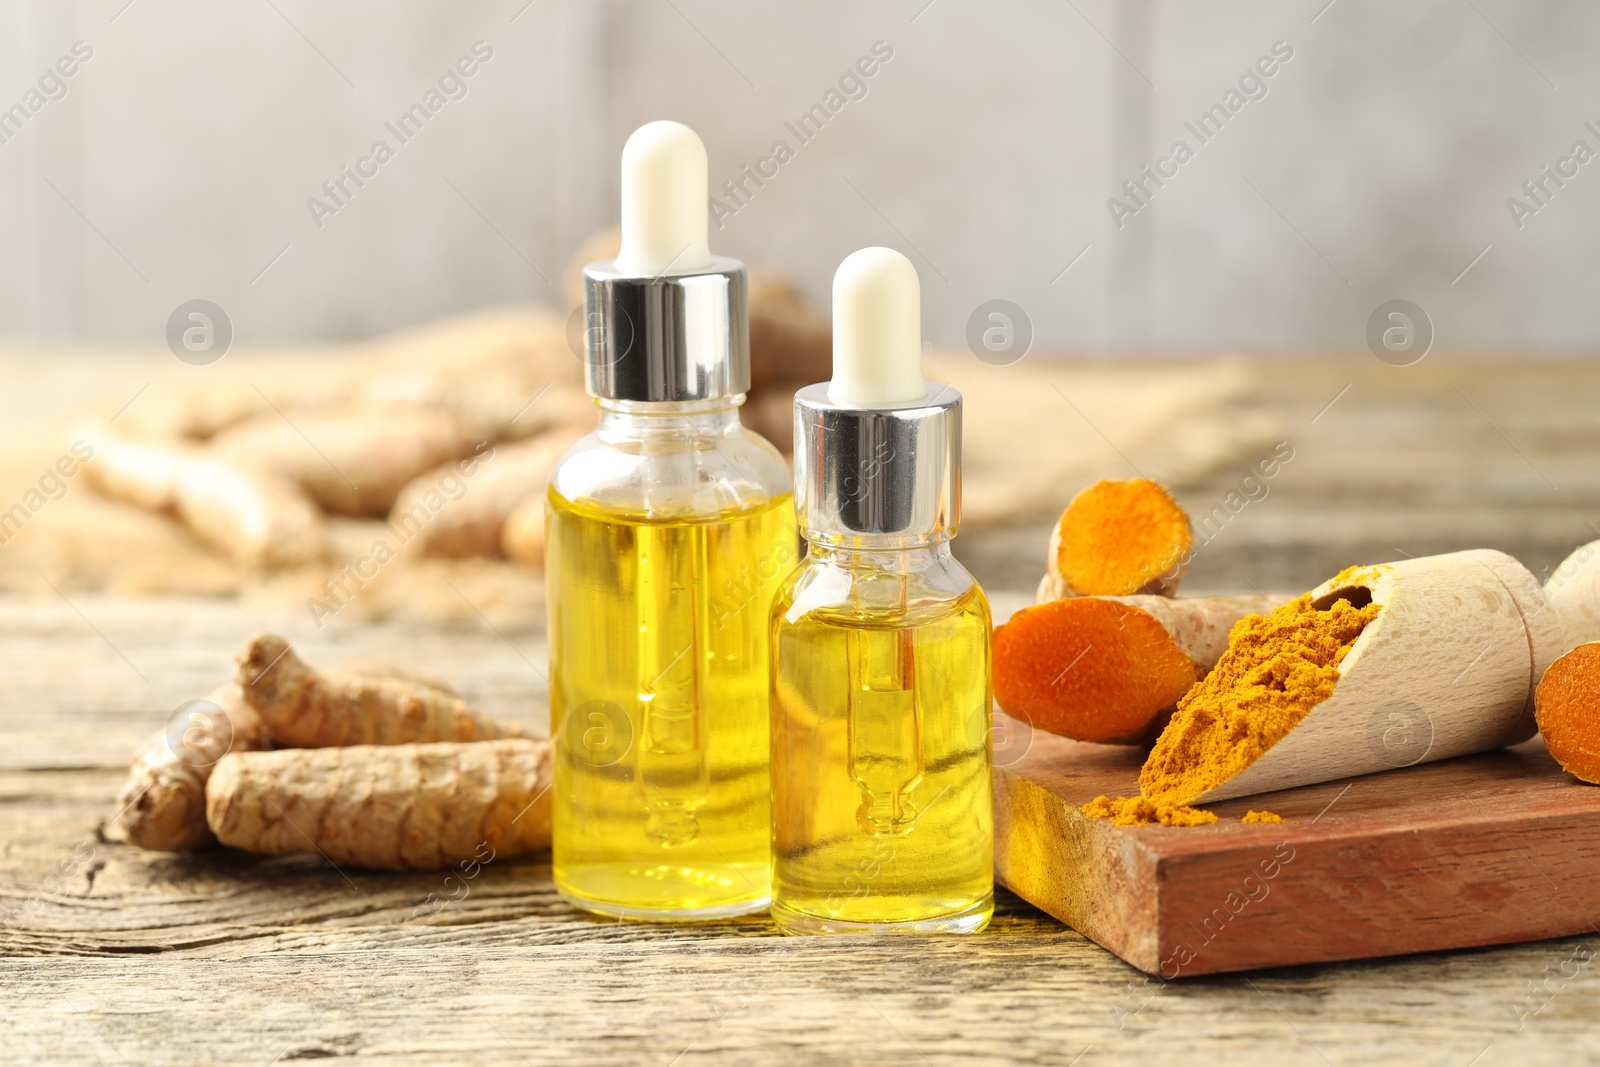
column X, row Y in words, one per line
column 1277, row 668
column 1141, row 811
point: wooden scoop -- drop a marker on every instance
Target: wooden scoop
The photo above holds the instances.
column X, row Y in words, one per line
column 1573, row 590
column 1447, row 668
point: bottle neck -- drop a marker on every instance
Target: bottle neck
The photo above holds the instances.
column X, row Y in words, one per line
column 890, row 554
column 634, row 419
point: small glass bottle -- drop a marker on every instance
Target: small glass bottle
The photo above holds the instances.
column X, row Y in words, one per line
column 882, row 813
column 668, row 530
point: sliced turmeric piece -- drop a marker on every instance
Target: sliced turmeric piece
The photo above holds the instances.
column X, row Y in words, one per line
column 1110, row 669
column 1567, row 705
column 1116, row 539
column 386, row 807
column 305, row 708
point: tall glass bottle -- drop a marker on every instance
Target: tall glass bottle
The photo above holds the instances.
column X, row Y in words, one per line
column 882, row 815
column 668, row 530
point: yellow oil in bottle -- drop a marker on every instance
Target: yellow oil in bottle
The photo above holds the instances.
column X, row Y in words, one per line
column 659, row 706
column 882, row 815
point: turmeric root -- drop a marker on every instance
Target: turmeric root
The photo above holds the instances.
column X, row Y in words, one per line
column 385, row 669
column 489, row 400
column 1567, row 705
column 162, row 805
column 1110, row 669
column 770, row 413
column 350, row 462
column 396, row 807
column 522, row 536
column 482, row 368
column 789, row 341
column 303, row 708
column 472, row 523
column 257, row 518
column 140, row 473
column 1117, row 539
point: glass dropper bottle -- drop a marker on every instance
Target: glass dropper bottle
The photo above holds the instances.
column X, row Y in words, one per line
column 668, row 530
column 882, row 817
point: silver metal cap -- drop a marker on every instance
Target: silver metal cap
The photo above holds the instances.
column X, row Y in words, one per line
column 673, row 338
column 890, row 472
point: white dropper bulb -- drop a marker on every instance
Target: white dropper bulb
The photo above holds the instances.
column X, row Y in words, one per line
column 664, row 190
column 877, row 331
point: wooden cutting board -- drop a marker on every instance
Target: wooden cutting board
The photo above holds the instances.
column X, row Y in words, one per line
column 1479, row 850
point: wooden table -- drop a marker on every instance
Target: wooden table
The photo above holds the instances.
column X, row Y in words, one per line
column 115, row 955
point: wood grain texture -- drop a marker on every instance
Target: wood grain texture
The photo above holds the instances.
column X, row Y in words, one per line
column 110, row 953
column 1479, row 850
column 1448, row 454
column 1199, row 625
column 138, row 957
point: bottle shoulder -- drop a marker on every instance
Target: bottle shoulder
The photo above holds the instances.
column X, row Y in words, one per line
column 663, row 475
column 857, row 591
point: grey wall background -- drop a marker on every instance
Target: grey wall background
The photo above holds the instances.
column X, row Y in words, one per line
column 1377, row 165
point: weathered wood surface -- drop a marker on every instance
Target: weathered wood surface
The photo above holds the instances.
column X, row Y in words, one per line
column 108, row 954
column 1479, row 850
column 1444, row 455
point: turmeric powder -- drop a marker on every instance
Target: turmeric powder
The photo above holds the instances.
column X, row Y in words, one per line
column 1139, row 811
column 1277, row 668
column 1119, row 538
column 1261, row 816
column 1567, row 705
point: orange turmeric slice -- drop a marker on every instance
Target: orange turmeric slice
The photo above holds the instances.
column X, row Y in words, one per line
column 1567, row 705
column 1089, row 668
column 1118, row 538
